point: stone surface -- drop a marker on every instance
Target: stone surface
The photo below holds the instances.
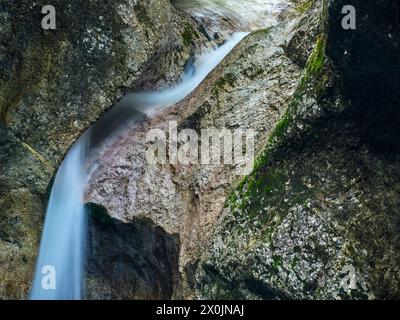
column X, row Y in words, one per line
column 24, row 177
column 54, row 84
column 318, row 218
column 137, row 260
column 250, row 90
column 219, row 18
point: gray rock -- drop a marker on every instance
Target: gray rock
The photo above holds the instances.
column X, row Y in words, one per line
column 137, row 260
column 55, row 83
column 318, row 218
column 249, row 89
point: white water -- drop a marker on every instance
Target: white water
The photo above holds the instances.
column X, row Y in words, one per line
column 64, row 234
column 151, row 102
column 63, row 239
column 255, row 14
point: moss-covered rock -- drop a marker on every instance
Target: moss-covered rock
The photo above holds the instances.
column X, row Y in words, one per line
column 249, row 89
column 24, row 175
column 55, row 83
column 318, row 217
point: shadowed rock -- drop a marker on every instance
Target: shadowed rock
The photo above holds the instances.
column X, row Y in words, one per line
column 136, row 260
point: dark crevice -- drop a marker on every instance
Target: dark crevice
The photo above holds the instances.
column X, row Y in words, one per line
column 136, row 260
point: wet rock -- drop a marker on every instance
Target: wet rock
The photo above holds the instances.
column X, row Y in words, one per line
column 249, row 89
column 136, row 260
column 24, row 177
column 55, row 83
column 318, row 218
column 220, row 19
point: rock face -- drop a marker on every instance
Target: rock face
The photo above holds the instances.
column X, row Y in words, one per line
column 250, row 89
column 55, row 83
column 68, row 77
column 219, row 19
column 319, row 218
column 24, row 177
column 125, row 256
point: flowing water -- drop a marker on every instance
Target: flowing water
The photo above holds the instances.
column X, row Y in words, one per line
column 61, row 261
column 62, row 247
column 251, row 14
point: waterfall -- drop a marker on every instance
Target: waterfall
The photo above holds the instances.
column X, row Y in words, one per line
column 151, row 102
column 61, row 263
column 62, row 248
column 254, row 14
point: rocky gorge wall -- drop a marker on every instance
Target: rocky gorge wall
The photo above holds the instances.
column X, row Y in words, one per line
column 316, row 219
column 55, row 83
column 187, row 200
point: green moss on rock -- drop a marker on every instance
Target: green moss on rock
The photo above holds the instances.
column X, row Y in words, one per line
column 226, row 80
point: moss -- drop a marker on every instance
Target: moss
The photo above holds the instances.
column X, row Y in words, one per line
column 266, row 235
column 303, row 5
column 189, row 35
column 294, row 263
column 141, row 13
column 315, row 63
column 233, row 199
column 312, row 74
column 267, row 195
column 277, row 263
column 272, row 185
column 249, row 49
column 276, row 135
column 280, row 128
column 253, row 73
column 262, row 32
column 228, row 79
column 317, row 58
